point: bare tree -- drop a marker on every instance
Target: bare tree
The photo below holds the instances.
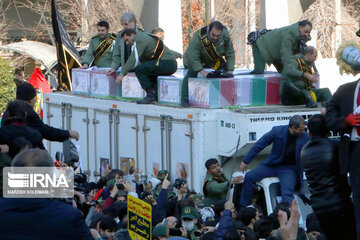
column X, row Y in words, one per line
column 76, row 14
column 322, row 14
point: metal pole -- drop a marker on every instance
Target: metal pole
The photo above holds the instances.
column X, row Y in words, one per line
column 212, row 10
column 207, row 12
column 232, row 170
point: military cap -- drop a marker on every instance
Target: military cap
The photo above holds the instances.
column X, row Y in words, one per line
column 161, row 174
column 188, row 212
column 159, row 230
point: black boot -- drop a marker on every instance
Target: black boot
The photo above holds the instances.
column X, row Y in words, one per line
column 310, row 103
column 151, row 96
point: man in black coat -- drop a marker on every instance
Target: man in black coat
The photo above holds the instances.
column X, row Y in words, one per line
column 27, row 93
column 39, row 218
column 15, row 133
column 330, row 192
column 343, row 115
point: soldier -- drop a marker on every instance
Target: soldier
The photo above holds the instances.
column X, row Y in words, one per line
column 156, row 60
column 160, row 33
column 188, row 221
column 122, row 51
column 297, row 80
column 206, row 49
column 216, row 185
column 101, row 47
column 278, row 45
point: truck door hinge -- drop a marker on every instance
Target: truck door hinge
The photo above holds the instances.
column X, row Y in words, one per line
column 135, row 127
column 189, row 134
column 86, row 120
column 96, row 121
column 145, row 128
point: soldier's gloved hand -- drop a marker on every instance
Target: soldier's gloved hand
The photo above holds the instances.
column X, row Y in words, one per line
column 353, row 120
column 213, row 74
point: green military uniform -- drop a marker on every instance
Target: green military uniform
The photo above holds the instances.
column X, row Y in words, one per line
column 149, row 69
column 276, row 47
column 105, row 60
column 161, row 175
column 196, row 57
column 121, row 51
column 176, row 54
column 294, row 88
column 215, row 189
column 190, row 213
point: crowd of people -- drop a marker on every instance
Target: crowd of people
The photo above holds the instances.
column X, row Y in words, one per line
column 99, row 210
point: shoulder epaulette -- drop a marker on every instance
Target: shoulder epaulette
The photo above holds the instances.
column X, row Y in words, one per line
column 95, row 36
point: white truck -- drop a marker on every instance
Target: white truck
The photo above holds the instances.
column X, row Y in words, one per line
column 158, row 137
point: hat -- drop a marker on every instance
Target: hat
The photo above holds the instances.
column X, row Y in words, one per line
column 154, row 182
column 110, row 184
column 188, row 212
column 25, row 92
column 161, row 174
column 159, row 230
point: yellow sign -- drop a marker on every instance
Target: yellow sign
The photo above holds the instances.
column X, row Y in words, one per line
column 139, row 219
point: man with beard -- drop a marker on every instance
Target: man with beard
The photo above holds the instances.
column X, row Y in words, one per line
column 283, row 162
column 149, row 58
column 278, row 45
column 297, row 78
column 206, row 50
column 100, row 48
column 122, row 51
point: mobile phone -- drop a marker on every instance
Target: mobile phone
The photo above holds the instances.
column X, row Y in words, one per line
column 175, row 232
column 165, row 221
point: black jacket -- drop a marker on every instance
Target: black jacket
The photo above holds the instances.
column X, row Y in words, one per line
column 339, row 107
column 33, row 120
column 329, row 190
column 16, row 134
column 41, row 219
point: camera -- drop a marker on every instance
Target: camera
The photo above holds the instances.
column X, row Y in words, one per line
column 120, row 186
column 175, row 232
column 80, row 178
column 179, row 182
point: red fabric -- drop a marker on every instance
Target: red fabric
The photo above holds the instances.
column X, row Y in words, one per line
column 358, row 103
column 98, row 194
column 272, row 90
column 39, row 81
column 228, row 92
column 108, row 202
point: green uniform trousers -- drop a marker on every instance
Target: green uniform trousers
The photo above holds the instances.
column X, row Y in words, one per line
column 148, row 71
column 292, row 94
column 259, row 61
column 185, row 87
